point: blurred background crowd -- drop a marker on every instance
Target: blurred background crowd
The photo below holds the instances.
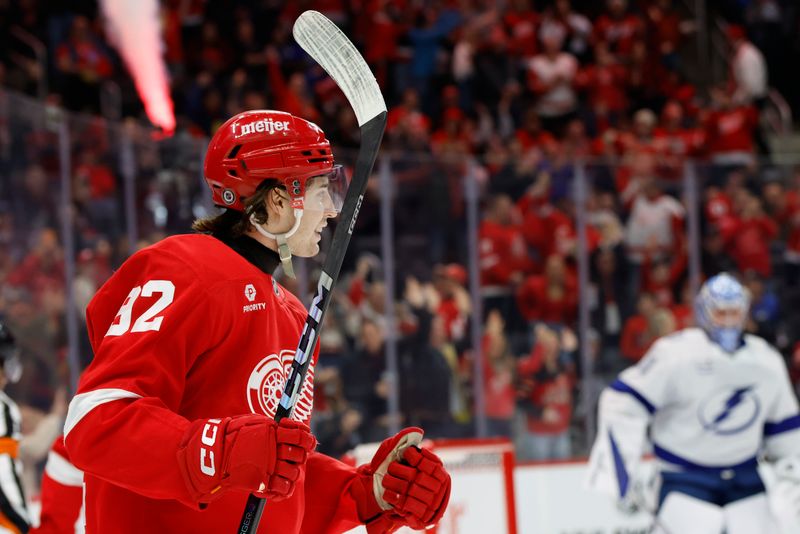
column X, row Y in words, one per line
column 618, row 152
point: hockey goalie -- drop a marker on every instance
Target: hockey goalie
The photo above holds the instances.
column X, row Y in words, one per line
column 714, row 403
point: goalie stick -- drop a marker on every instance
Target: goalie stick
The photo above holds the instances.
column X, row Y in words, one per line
column 334, row 52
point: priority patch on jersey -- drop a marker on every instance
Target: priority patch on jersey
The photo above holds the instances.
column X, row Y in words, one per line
column 250, row 294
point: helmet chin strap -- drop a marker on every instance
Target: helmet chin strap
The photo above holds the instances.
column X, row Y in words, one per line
column 284, row 251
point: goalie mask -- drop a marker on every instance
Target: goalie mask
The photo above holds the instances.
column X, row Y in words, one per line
column 260, row 145
column 9, row 355
column 721, row 310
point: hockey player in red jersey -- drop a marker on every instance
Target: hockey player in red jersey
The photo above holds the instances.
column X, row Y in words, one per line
column 192, row 337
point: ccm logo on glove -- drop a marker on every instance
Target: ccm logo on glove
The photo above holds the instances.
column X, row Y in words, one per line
column 208, row 438
column 249, row 452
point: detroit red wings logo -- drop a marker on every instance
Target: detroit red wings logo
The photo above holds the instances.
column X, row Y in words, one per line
column 265, row 386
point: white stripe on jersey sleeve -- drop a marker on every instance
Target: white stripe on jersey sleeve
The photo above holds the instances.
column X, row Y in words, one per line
column 84, row 403
column 59, row 469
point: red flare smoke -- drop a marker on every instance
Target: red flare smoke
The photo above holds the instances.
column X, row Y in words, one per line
column 133, row 26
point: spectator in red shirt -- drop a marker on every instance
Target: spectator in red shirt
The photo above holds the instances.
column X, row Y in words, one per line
column 548, row 230
column 407, row 117
column 503, row 256
column 674, row 142
column 642, row 329
column 718, row 207
column 545, row 398
column 42, row 269
column 576, row 143
column 751, row 237
column 451, row 142
column 173, row 44
column 663, row 26
column 784, row 206
column 498, row 376
column 82, row 64
column 551, row 297
column 604, row 82
column 521, row 23
column 531, row 135
column 719, row 201
column 729, row 131
column 454, row 300
column 618, row 28
column 636, row 147
column 660, row 277
column 380, row 27
column 504, row 260
column 214, row 54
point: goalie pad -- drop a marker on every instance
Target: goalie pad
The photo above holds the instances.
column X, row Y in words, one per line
column 782, row 480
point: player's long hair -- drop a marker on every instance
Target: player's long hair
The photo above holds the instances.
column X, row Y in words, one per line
column 233, row 223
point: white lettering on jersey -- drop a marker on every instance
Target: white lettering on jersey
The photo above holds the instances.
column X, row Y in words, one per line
column 208, row 438
column 266, row 382
column 261, row 126
column 149, row 320
column 254, row 307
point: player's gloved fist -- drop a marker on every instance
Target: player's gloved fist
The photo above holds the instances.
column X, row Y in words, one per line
column 403, row 485
column 251, row 453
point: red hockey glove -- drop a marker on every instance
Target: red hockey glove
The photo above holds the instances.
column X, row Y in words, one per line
column 402, row 486
column 248, row 452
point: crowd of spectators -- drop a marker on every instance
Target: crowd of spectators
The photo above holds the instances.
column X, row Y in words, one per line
column 513, row 95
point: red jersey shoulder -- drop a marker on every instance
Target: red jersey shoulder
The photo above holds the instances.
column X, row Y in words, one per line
column 206, row 257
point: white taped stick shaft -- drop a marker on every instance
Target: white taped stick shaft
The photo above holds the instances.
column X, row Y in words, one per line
column 334, row 52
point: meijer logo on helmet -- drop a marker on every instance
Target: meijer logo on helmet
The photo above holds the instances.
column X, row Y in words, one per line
column 263, row 125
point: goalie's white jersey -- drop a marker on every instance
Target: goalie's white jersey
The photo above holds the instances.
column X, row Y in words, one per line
column 707, row 410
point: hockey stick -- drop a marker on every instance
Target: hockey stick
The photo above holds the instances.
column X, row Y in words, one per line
column 334, row 52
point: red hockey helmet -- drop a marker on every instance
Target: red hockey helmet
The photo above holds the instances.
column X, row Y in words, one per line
column 254, row 146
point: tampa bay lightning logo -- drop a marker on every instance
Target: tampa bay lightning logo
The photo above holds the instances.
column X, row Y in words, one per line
column 730, row 410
